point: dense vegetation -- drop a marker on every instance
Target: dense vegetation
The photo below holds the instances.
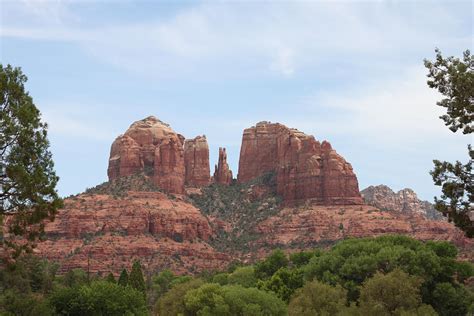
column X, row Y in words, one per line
column 389, row 275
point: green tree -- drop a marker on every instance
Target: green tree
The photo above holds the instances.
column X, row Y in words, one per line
column 110, row 278
column 283, row 283
column 214, row 299
column 244, row 276
column 123, row 278
column 220, row 278
column 452, row 300
column 172, row 303
column 302, row 258
column 390, row 294
column 18, row 303
column 351, row 262
column 454, row 79
column 75, row 277
column 162, row 282
column 265, row 269
column 100, row 298
column 316, row 298
column 136, row 279
column 27, row 178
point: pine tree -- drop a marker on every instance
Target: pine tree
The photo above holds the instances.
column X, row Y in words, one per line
column 110, row 278
column 123, row 279
column 136, row 279
column 454, row 79
column 27, row 178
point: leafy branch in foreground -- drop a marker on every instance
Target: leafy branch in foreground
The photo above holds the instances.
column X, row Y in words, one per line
column 457, row 182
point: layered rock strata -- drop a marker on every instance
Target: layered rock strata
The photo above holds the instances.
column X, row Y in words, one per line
column 110, row 232
column 404, row 201
column 196, row 162
column 151, row 146
column 305, row 168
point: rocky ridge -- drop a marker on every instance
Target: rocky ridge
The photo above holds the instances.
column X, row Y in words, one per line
column 404, row 201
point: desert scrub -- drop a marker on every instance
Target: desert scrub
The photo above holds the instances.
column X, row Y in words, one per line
column 120, row 187
column 244, row 205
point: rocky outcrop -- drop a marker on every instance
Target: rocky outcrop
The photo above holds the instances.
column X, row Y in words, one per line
column 152, row 147
column 222, row 172
column 305, row 168
column 321, row 225
column 196, row 162
column 112, row 231
column 404, row 201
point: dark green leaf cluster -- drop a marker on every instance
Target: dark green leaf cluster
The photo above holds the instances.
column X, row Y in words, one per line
column 457, row 184
column 98, row 298
column 454, row 79
column 352, row 262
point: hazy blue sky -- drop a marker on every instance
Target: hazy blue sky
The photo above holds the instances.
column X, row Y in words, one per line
column 350, row 72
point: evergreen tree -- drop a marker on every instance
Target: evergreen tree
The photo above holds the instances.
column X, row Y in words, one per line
column 110, row 278
column 136, row 279
column 454, row 79
column 27, row 178
column 123, row 279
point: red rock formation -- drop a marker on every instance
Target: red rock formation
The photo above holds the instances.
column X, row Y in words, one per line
column 196, row 162
column 222, row 172
column 305, row 168
column 319, row 224
column 149, row 226
column 151, row 146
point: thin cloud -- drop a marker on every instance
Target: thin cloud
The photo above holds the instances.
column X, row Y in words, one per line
column 282, row 38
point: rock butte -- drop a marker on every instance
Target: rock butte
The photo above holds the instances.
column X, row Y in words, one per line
column 104, row 232
column 306, row 169
column 151, row 146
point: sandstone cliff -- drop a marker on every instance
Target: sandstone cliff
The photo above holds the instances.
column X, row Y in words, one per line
column 222, row 172
column 305, row 168
column 404, row 201
column 151, row 146
column 133, row 216
column 196, row 162
column 111, row 231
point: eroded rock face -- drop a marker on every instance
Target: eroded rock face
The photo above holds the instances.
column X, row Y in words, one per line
column 305, row 168
column 404, row 201
column 149, row 226
column 222, row 172
column 316, row 225
column 152, row 147
column 196, row 161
